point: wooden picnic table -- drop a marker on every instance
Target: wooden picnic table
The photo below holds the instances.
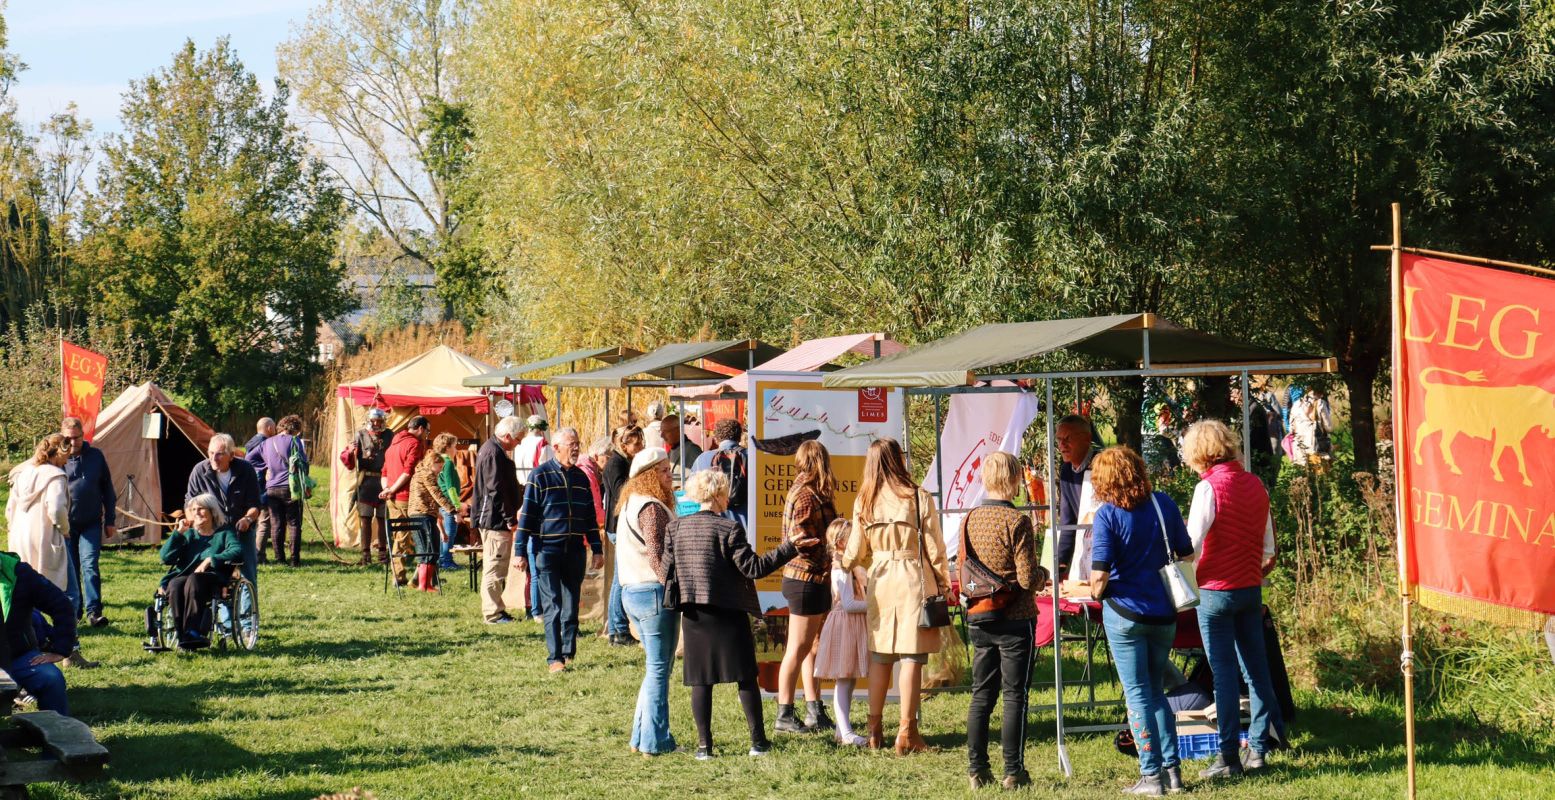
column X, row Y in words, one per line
column 67, row 750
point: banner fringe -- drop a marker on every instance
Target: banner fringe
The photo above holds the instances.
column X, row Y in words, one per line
column 1480, row 610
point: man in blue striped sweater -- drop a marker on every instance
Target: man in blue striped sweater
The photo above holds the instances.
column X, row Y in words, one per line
column 558, row 522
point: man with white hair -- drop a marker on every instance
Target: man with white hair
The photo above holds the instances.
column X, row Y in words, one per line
column 556, row 523
column 233, row 482
column 494, row 507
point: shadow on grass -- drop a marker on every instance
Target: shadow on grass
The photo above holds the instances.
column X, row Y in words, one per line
column 1351, row 741
column 102, row 705
column 203, row 756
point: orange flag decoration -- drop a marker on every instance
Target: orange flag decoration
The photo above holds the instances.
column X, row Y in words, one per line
column 84, row 374
column 1476, row 467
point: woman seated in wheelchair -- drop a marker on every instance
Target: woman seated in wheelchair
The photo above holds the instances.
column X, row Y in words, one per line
column 200, row 556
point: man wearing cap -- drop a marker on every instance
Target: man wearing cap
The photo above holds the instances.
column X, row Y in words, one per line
column 399, row 462
column 557, row 524
column 533, row 450
column 371, row 443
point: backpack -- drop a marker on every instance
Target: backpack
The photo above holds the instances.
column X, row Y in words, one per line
column 731, row 462
column 298, row 481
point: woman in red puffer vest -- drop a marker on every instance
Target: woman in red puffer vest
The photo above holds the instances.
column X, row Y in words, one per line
column 1233, row 536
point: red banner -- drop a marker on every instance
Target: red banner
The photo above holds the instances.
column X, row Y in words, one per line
column 1476, row 463
column 83, row 376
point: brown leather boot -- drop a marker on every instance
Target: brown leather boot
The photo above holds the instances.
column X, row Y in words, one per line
column 908, row 740
column 876, row 732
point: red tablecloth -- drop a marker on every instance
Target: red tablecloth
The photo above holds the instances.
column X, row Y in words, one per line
column 1187, row 621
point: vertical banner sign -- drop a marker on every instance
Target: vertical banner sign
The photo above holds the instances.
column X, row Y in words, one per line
column 1476, row 468
column 786, row 409
column 82, row 378
column 976, row 426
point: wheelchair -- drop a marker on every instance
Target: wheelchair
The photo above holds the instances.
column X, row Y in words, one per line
column 234, row 616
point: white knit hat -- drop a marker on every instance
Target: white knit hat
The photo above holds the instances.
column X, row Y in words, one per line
column 536, row 422
column 647, row 459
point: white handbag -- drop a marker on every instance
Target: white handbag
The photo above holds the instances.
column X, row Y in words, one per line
column 1181, row 584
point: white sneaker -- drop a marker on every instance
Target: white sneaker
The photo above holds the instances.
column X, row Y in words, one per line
column 852, row 740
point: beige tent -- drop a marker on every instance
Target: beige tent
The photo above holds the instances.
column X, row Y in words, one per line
column 431, row 385
column 151, row 444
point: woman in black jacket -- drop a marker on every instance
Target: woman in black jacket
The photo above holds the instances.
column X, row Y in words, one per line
column 715, row 567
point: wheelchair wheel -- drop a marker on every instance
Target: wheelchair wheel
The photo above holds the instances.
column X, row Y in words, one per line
column 242, row 615
column 167, row 624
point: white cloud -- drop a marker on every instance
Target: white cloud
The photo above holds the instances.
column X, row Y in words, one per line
column 71, row 17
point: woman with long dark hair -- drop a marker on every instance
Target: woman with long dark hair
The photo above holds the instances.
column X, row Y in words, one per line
column 809, row 510
column 896, row 535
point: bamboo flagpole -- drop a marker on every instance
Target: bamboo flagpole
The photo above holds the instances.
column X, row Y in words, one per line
column 1400, row 460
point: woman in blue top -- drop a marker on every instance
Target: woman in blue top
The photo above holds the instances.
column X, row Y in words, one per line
column 1128, row 550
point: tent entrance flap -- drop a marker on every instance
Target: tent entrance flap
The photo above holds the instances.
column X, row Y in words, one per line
column 176, row 457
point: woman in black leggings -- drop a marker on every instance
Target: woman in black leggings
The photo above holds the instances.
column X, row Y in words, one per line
column 715, row 568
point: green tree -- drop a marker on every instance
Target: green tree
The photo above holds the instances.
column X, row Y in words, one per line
column 213, row 223
column 1442, row 106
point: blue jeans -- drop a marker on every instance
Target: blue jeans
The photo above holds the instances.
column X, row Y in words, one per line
column 250, row 567
column 615, row 613
column 536, row 607
column 445, row 557
column 43, row 681
column 558, row 572
column 86, row 543
column 1140, row 652
column 1231, row 623
column 659, row 629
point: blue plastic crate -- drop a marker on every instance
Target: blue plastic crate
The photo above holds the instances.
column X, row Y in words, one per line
column 1194, row 746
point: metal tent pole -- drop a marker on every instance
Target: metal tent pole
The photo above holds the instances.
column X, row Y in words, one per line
column 1058, row 582
column 939, row 457
column 1247, row 428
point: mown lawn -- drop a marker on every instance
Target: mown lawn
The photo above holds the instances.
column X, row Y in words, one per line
column 415, row 698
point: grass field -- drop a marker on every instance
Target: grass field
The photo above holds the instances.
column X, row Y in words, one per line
column 415, row 698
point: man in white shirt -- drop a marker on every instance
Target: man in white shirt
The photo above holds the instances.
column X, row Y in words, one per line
column 533, row 450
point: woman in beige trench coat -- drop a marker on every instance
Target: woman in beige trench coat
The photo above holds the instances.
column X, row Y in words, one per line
column 893, row 543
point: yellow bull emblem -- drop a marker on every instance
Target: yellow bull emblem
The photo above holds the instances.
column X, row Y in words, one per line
column 82, row 391
column 1504, row 415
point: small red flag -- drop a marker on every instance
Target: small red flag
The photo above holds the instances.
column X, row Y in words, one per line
column 83, row 375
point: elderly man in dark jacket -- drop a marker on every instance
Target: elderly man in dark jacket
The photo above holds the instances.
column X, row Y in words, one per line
column 558, row 525
column 494, row 512
column 234, row 482
column 32, row 649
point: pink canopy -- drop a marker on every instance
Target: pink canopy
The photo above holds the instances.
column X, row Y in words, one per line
column 807, row 357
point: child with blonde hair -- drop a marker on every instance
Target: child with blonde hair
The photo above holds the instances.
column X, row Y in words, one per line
column 843, row 654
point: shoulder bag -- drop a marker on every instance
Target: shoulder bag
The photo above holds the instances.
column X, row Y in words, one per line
column 981, row 586
column 935, row 611
column 1181, row 584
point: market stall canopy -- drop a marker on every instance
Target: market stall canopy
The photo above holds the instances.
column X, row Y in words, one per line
column 432, row 380
column 673, row 363
column 510, row 375
column 1141, row 343
column 816, row 354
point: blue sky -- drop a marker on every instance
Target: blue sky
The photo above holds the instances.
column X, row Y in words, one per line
column 87, row 51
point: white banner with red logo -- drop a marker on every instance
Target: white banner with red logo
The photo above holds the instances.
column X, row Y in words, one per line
column 977, row 425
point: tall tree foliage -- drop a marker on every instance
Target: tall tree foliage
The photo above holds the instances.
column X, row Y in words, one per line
column 1330, row 111
column 751, row 168
column 213, row 223
column 376, row 81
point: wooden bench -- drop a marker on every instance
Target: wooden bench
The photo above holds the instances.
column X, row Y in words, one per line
column 69, row 750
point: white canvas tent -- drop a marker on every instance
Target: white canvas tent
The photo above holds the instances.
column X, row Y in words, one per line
column 151, row 444
column 432, row 385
